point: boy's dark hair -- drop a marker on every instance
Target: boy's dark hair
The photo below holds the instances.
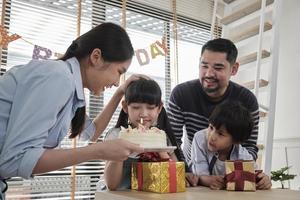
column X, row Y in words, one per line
column 115, row 46
column 224, row 46
column 148, row 91
column 237, row 120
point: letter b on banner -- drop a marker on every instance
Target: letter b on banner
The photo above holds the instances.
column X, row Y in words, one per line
column 41, row 53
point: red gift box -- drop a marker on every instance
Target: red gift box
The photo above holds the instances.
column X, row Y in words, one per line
column 240, row 175
column 157, row 176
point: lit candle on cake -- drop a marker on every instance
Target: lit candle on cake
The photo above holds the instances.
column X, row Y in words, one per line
column 141, row 126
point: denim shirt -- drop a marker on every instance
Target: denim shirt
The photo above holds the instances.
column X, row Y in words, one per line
column 37, row 103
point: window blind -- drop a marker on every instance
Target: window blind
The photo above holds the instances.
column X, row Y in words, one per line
column 52, row 24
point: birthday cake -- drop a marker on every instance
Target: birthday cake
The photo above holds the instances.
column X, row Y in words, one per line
column 147, row 138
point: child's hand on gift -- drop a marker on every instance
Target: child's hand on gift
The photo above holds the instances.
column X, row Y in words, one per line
column 216, row 182
column 263, row 182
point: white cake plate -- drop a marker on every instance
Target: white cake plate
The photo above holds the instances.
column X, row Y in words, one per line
column 169, row 149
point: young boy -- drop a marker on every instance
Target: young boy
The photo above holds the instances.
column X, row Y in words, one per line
column 230, row 124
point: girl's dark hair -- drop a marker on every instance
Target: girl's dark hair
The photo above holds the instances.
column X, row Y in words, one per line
column 237, row 120
column 111, row 39
column 148, row 91
column 115, row 46
column 140, row 91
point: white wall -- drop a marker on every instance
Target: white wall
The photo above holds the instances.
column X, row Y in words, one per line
column 287, row 118
column 286, row 153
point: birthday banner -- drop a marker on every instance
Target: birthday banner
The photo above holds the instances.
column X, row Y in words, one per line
column 158, row 48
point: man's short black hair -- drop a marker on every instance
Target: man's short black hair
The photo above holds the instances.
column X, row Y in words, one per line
column 224, row 46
